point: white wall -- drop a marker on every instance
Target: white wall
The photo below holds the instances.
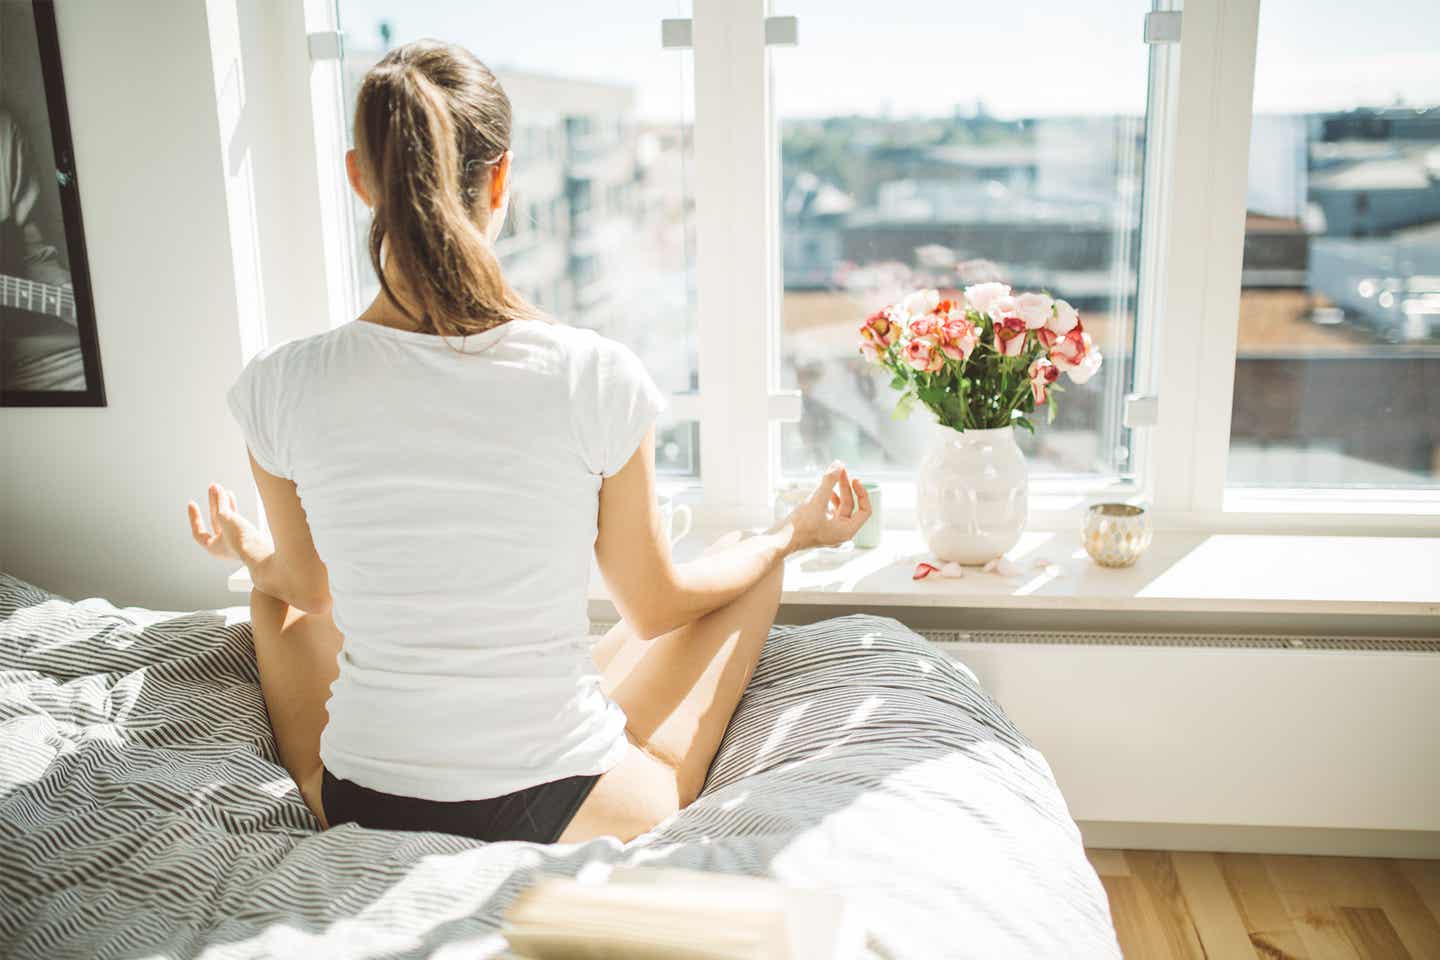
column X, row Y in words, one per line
column 92, row 500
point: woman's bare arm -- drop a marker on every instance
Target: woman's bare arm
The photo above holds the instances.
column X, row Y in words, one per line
column 283, row 563
column 656, row 595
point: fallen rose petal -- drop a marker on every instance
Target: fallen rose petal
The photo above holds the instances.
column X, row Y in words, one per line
column 952, row 570
column 923, row 570
column 1002, row 567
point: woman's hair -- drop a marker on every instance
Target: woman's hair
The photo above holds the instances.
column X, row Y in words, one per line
column 431, row 121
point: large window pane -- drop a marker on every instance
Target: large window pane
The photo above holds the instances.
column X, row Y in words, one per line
column 940, row 145
column 1339, row 328
column 600, row 232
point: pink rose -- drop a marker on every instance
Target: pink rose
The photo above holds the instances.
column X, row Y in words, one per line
column 921, row 354
column 924, row 325
column 1042, row 374
column 1088, row 367
column 1010, row 337
column 1069, row 350
column 1035, row 309
column 1075, row 353
column 958, row 337
column 1064, row 318
column 982, row 296
column 878, row 332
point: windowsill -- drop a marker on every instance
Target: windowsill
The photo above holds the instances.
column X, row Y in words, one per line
column 1180, row 573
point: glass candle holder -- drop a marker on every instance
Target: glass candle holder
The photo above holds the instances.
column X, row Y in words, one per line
column 1115, row 534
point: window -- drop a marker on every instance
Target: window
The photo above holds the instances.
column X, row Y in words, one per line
column 601, row 200
column 1277, row 312
column 926, row 147
column 1339, row 330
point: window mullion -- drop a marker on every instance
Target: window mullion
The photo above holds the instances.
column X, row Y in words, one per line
column 1202, row 243
column 327, row 106
column 734, row 254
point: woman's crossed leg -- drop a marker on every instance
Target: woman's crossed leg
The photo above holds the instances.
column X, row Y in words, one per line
column 679, row 692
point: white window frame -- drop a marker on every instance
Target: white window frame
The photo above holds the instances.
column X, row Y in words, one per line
column 1205, row 162
column 1192, row 243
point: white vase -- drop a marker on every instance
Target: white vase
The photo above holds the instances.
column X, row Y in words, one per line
column 970, row 497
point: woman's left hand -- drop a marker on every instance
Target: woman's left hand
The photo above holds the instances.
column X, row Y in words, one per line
column 229, row 534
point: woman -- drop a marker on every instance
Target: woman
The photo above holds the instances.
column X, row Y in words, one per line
column 436, row 475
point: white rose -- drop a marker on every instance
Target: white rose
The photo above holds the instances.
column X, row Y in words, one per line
column 1035, row 309
column 983, row 295
column 920, row 302
column 1002, row 307
column 1064, row 318
column 1086, row 368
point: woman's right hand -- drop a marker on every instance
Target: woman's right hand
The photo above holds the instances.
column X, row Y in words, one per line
column 834, row 513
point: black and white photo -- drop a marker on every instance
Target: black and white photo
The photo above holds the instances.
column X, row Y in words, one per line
column 48, row 350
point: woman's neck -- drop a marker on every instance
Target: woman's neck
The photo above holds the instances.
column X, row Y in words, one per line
column 386, row 311
column 383, row 311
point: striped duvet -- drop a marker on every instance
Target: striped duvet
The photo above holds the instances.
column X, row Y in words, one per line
column 143, row 811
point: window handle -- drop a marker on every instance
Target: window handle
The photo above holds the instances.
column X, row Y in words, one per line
column 782, row 32
column 679, row 33
column 1162, row 26
column 324, row 44
column 1142, row 410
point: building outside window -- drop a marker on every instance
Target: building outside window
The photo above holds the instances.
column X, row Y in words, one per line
column 944, row 167
column 1339, row 327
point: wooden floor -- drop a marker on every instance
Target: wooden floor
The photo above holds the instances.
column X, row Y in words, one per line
column 1232, row 906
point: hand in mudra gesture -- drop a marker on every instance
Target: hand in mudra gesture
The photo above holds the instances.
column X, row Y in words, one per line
column 834, row 513
column 229, row 534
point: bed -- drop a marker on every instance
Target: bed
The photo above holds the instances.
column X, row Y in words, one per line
column 143, row 811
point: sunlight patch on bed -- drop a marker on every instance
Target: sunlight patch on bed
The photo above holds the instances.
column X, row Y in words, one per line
column 863, row 711
column 736, row 801
column 279, row 787
column 29, row 747
column 777, row 736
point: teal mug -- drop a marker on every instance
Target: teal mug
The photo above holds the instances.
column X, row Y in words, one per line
column 868, row 536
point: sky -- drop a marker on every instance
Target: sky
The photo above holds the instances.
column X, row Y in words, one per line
column 906, row 57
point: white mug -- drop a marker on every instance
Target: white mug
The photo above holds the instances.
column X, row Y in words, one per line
column 670, row 511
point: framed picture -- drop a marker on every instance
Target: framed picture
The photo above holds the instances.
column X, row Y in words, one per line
column 49, row 354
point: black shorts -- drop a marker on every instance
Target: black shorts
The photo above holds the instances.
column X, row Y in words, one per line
column 539, row 814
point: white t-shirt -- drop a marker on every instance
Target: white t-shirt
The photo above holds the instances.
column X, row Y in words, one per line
column 453, row 498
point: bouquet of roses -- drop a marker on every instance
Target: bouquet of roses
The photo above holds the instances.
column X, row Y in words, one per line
column 984, row 361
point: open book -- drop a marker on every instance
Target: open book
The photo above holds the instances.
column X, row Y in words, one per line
column 648, row 913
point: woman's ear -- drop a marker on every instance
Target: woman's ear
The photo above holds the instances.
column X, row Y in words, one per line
column 357, row 180
column 500, row 182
